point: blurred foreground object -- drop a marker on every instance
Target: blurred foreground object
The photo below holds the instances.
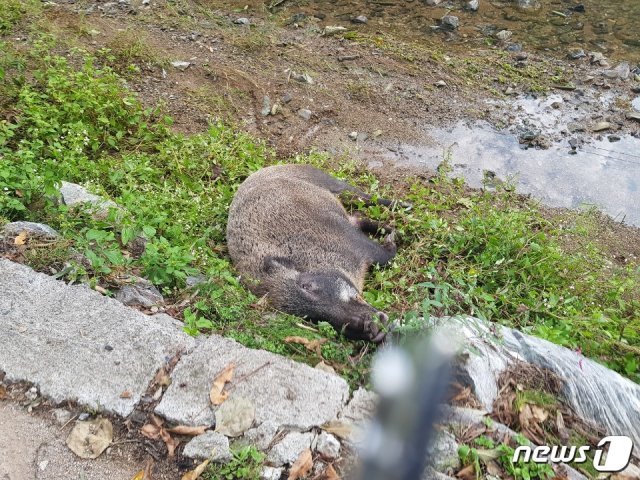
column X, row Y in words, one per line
column 412, row 382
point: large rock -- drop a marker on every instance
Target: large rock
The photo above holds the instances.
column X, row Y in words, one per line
column 596, row 393
column 284, row 392
column 38, row 230
column 76, row 344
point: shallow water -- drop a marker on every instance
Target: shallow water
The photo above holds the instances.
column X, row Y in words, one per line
column 601, row 173
column 608, row 26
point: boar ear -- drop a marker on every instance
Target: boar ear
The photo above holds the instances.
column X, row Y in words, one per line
column 279, row 266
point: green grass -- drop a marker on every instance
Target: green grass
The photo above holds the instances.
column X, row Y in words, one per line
column 13, row 11
column 491, row 255
column 245, row 465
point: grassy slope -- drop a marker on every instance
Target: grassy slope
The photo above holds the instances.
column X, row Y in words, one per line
column 490, row 255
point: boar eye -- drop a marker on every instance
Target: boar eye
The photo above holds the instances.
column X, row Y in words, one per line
column 309, row 286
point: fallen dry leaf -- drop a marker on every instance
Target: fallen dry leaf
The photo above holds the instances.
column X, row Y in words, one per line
column 148, row 469
column 139, row 475
column 21, row 239
column 339, row 428
column 89, row 439
column 330, row 473
column 162, row 378
column 217, row 395
column 3, row 392
column 126, row 394
column 311, row 345
column 539, row 413
column 467, row 473
column 186, row 430
column 196, row 472
column 155, row 431
column 525, row 416
column 302, row 465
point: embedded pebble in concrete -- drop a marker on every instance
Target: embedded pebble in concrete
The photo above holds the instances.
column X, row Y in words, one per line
column 289, row 449
column 285, row 392
column 46, row 324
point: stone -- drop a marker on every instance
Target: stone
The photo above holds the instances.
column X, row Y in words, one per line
column 472, row 5
column 266, row 106
column 361, row 407
column 289, row 448
column 73, row 194
column 576, row 53
column 209, row 445
column 37, row 230
column 270, row 473
column 141, row 292
column 527, row 4
column 600, row 126
column 283, row 391
column 450, row 22
column 360, row 19
column 433, row 3
column 353, row 136
column 53, row 335
column 302, row 78
column 235, row 416
column 262, row 435
column 622, row 72
column 328, row 446
column 333, row 30
column 443, row 453
column 598, row 58
column 180, row 65
column 594, row 392
column 305, row 113
column 61, row 416
column 440, row 84
column 633, row 116
column 242, row 21
column 195, row 280
column 504, row 35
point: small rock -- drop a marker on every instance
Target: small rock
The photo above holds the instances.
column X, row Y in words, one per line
column 288, row 450
column 580, row 8
column 635, row 103
column 504, row 35
column 286, row 98
column 195, row 280
column 613, row 138
column 450, row 22
column 328, row 446
column 576, row 54
column 235, row 416
column 622, row 71
column 146, row 2
column 61, row 416
column 353, row 136
column 74, row 194
column 302, row 78
column 43, row 465
column 360, row 19
column 377, row 133
column 527, row 4
column 266, row 106
column 305, row 113
column 509, row 91
column 333, row 30
column 211, row 445
column 575, row 127
column 275, row 109
column 262, row 435
column 513, row 47
column 472, row 5
column 180, row 65
column 362, row 137
column 433, row 3
column 139, row 293
column 633, row 116
column 598, row 58
column 83, row 416
column 38, row 230
column 600, row 126
column 242, row 21
column 270, row 473
column 440, row 84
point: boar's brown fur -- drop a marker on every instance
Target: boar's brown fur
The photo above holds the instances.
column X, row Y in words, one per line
column 292, row 240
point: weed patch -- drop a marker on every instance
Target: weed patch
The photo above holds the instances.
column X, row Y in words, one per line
column 461, row 252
